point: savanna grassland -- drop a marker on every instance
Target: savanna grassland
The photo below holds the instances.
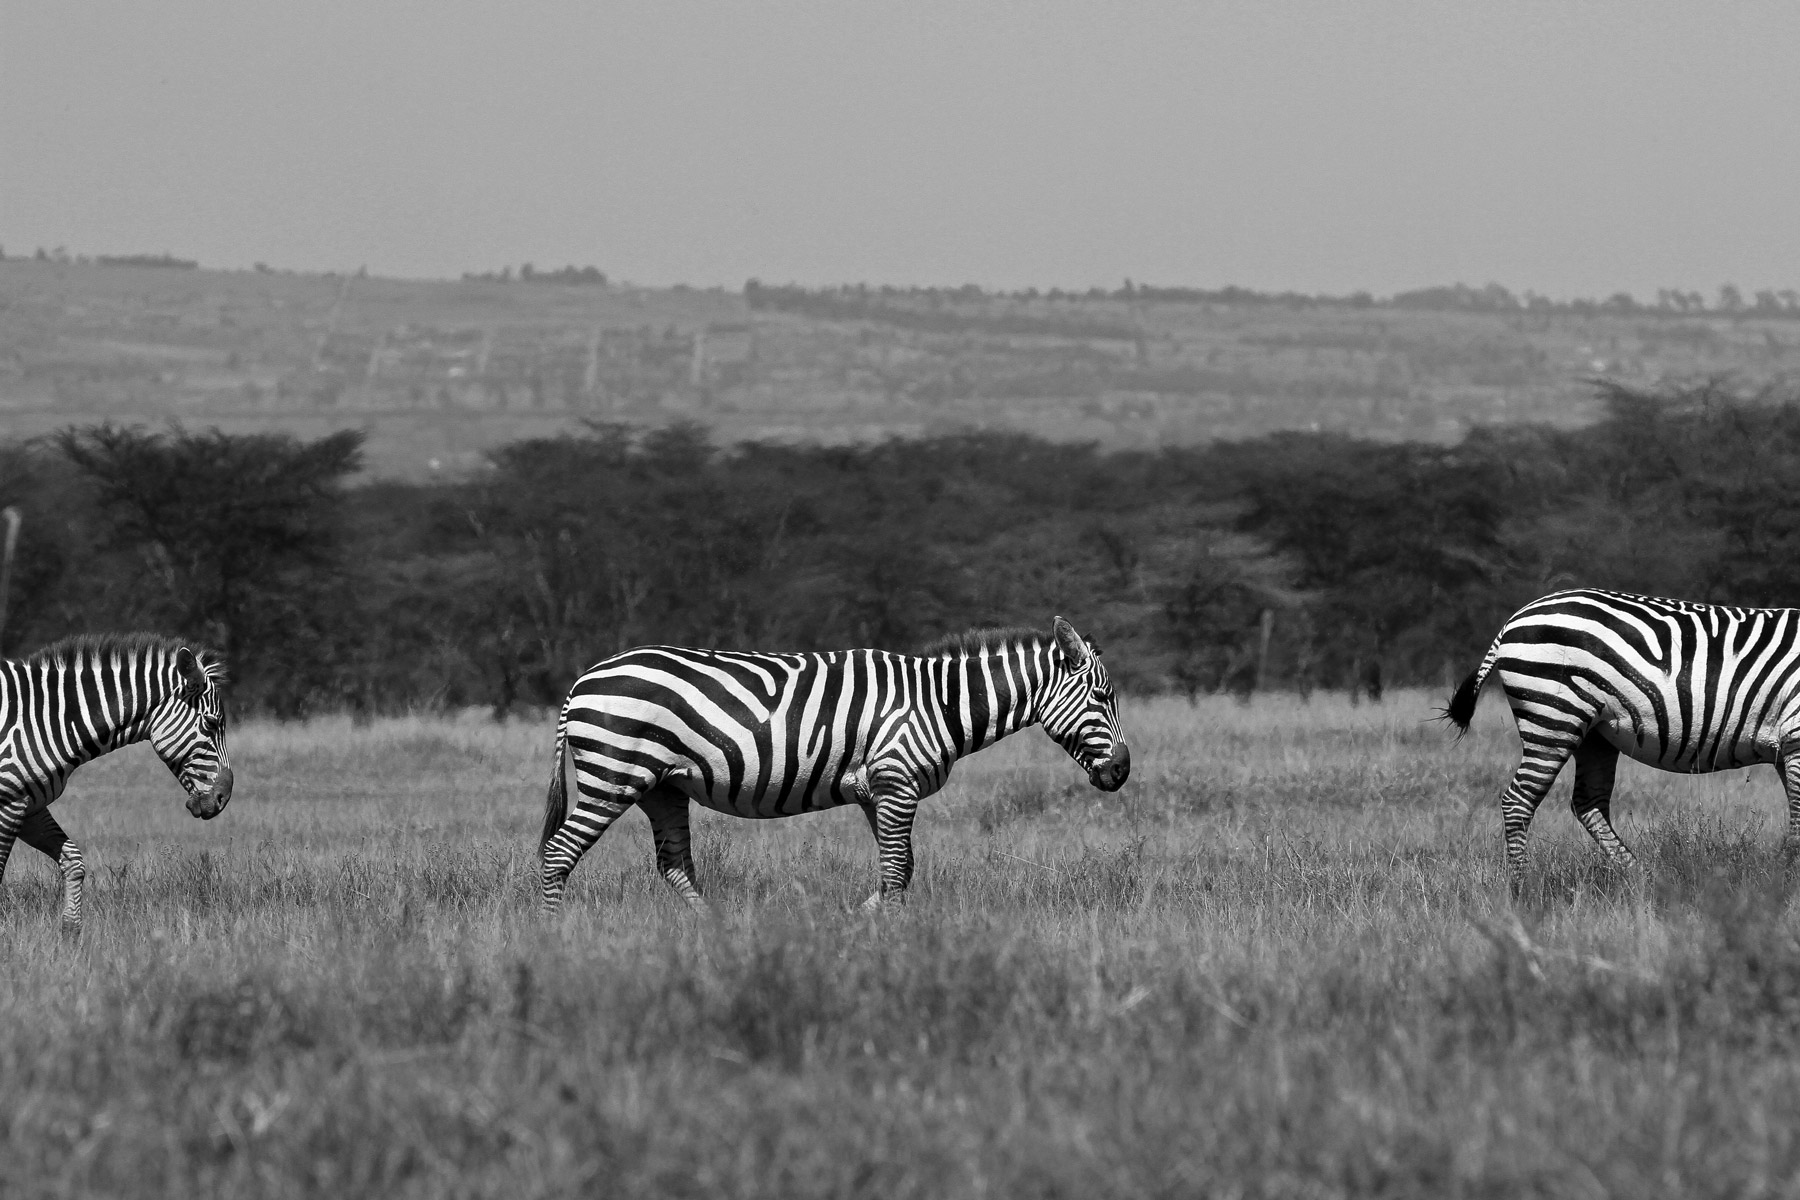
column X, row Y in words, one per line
column 1280, row 963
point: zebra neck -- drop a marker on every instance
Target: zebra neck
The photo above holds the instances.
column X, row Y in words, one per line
column 987, row 695
column 88, row 707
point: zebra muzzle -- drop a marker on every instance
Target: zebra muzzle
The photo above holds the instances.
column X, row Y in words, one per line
column 1110, row 774
column 209, row 804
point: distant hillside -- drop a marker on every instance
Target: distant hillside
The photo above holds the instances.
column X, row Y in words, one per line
column 440, row 372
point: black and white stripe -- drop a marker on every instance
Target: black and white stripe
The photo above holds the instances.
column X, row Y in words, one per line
column 1677, row 685
column 772, row 735
column 76, row 700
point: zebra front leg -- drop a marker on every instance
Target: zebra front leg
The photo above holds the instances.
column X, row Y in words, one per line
column 588, row 818
column 890, row 819
column 868, row 812
column 41, row 832
column 1596, row 763
column 668, row 813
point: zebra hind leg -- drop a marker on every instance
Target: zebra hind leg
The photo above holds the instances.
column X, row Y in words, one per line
column 41, row 832
column 1596, row 762
column 1543, row 758
column 588, row 818
column 668, row 813
column 1789, row 767
column 12, row 816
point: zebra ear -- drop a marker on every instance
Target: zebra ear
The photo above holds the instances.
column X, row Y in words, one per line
column 192, row 673
column 1069, row 642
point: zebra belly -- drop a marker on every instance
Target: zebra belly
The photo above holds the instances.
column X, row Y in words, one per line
column 762, row 804
column 766, row 807
column 1694, row 755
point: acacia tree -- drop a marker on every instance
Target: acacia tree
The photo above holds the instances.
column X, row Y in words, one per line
column 614, row 539
column 1401, row 544
column 36, row 487
column 237, row 537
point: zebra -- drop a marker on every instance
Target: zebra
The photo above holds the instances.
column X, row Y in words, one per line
column 77, row 699
column 771, row 735
column 1679, row 685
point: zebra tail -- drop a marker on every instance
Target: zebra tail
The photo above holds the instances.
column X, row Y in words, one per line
column 556, row 804
column 1461, row 709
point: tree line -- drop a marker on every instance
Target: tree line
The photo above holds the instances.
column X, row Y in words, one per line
column 1293, row 560
column 900, row 304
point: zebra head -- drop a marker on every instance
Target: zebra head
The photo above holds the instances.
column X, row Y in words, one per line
column 1081, row 711
column 188, row 731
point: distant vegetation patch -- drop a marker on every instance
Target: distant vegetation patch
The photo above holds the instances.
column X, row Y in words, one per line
column 926, row 310
column 147, row 260
column 1292, row 561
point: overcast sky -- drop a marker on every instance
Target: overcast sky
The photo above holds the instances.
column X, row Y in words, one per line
column 1574, row 149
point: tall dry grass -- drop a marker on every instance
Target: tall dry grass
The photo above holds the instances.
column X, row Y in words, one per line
column 1280, row 963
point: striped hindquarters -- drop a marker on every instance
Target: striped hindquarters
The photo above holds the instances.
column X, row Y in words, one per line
column 1680, row 685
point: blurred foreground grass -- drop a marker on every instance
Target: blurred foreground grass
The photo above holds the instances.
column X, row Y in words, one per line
column 1279, row 963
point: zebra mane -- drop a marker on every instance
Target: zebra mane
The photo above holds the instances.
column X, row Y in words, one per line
column 67, row 651
column 974, row 641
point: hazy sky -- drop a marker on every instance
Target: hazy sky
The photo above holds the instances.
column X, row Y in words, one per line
column 1571, row 148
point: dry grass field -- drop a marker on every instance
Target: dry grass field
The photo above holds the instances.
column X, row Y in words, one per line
column 1279, row 963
